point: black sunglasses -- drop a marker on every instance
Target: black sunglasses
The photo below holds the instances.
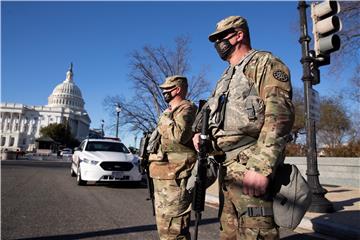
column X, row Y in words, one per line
column 222, row 35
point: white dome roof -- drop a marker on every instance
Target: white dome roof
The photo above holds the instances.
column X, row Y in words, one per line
column 67, row 94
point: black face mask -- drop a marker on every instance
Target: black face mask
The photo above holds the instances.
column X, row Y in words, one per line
column 224, row 48
column 167, row 96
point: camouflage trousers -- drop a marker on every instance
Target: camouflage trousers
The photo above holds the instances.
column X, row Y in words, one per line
column 172, row 206
column 234, row 220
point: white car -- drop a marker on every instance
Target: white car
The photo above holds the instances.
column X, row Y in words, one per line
column 104, row 160
column 66, row 152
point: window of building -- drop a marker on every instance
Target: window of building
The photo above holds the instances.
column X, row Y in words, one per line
column 24, row 141
column 3, row 140
column 12, row 141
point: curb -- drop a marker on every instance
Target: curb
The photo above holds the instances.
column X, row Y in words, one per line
column 320, row 226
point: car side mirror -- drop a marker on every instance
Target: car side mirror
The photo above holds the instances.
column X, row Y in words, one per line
column 133, row 150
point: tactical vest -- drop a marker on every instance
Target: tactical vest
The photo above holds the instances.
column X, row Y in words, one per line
column 169, row 145
column 173, row 160
column 237, row 111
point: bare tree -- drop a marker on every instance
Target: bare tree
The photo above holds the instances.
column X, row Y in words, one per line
column 348, row 55
column 334, row 125
column 337, row 125
column 149, row 68
column 354, row 90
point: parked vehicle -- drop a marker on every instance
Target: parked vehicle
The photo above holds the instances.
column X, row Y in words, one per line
column 66, row 152
column 104, row 160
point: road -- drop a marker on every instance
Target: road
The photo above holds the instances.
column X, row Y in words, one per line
column 40, row 200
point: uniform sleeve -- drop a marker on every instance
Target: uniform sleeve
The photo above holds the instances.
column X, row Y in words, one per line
column 178, row 129
column 274, row 87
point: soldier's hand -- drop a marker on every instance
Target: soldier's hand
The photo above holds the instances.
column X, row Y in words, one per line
column 196, row 141
column 254, row 184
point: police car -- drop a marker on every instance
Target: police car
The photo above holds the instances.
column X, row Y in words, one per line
column 104, row 160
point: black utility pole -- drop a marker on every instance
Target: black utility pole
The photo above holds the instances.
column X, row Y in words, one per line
column 102, row 128
column 319, row 202
column 118, row 110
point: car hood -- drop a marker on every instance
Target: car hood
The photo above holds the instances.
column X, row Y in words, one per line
column 109, row 156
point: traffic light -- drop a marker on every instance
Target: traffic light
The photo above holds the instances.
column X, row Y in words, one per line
column 314, row 69
column 325, row 25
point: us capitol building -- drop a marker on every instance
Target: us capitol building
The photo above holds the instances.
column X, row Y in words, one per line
column 20, row 124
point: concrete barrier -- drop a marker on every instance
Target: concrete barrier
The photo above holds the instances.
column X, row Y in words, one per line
column 333, row 170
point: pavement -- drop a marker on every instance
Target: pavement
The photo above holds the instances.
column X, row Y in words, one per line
column 344, row 223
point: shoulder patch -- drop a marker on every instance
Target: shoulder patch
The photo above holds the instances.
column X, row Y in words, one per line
column 281, row 76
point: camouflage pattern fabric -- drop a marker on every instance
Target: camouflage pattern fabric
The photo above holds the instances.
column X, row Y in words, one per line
column 176, row 146
column 236, row 109
column 172, row 204
column 227, row 24
column 234, row 221
column 273, row 109
column 175, row 127
column 271, row 78
column 174, row 81
column 171, row 173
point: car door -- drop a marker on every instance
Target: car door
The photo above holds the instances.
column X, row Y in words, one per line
column 77, row 154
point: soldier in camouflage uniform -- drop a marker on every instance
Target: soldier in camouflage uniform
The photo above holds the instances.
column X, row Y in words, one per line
column 171, row 165
column 250, row 121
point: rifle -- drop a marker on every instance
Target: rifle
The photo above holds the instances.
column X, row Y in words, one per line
column 198, row 203
column 144, row 167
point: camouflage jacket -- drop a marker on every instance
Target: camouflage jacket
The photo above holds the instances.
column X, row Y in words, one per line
column 272, row 106
column 176, row 149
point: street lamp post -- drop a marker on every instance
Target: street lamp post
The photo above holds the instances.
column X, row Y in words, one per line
column 118, row 110
column 319, row 203
column 102, row 127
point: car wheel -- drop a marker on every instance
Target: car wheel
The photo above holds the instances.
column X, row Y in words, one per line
column 79, row 181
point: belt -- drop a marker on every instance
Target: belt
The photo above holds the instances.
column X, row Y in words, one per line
column 259, row 211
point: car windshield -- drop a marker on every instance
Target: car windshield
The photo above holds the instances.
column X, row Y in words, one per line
column 107, row 147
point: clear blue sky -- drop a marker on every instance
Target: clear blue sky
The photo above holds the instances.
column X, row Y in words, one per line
column 40, row 39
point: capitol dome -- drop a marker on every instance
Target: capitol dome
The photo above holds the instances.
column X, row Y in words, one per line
column 67, row 94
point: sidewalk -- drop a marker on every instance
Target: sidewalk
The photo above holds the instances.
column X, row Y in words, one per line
column 344, row 223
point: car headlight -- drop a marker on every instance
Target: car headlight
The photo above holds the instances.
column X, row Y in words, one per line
column 89, row 161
